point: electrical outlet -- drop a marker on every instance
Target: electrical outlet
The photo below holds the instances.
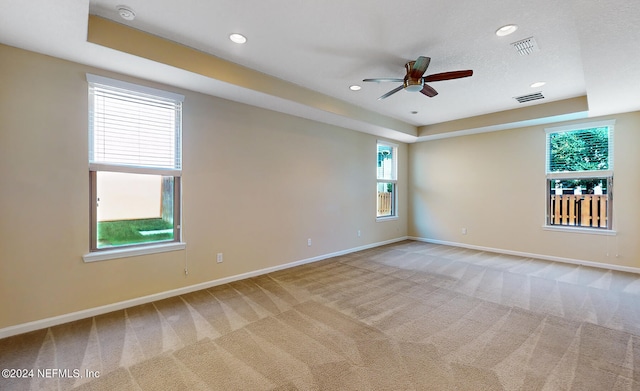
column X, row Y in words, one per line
column 309, row 242
column 359, row 233
column 464, row 231
column 219, row 258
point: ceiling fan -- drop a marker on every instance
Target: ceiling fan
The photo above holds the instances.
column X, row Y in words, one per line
column 414, row 81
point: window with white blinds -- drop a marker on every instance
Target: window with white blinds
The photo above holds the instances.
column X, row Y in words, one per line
column 387, row 176
column 133, row 125
column 579, row 171
column 135, row 166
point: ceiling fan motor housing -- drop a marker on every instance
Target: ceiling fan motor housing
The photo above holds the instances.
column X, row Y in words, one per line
column 412, row 84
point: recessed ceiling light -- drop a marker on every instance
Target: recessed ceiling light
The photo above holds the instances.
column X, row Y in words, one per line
column 237, row 38
column 126, row 12
column 355, row 87
column 538, row 84
column 506, row 30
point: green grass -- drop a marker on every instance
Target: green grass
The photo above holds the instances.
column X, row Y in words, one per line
column 123, row 232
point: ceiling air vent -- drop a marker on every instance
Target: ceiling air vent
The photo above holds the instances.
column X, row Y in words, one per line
column 526, row 46
column 529, row 98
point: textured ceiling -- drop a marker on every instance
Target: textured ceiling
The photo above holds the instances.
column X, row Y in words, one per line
column 586, row 48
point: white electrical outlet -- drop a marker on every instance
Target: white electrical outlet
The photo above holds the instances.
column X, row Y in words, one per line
column 464, row 231
column 219, row 258
column 309, row 242
column 359, row 233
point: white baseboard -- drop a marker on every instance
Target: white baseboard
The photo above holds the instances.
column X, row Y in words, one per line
column 90, row 312
column 531, row 255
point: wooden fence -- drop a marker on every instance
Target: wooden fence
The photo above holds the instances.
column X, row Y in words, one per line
column 585, row 210
column 384, row 203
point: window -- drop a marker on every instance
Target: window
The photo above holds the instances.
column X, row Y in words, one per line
column 387, row 180
column 580, row 176
column 134, row 164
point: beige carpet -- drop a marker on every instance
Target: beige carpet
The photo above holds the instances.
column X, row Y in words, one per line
column 410, row 316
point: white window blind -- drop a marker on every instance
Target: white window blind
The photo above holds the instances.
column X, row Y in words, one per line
column 387, row 167
column 134, row 126
column 580, row 150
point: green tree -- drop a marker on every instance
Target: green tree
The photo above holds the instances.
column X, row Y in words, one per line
column 580, row 150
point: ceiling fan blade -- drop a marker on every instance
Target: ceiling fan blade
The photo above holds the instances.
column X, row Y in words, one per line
column 448, row 75
column 419, row 67
column 388, row 94
column 429, row 91
column 381, row 79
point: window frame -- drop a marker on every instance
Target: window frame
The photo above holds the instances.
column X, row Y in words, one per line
column 95, row 166
column 606, row 174
column 393, row 180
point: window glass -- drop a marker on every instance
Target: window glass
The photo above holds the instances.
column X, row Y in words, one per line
column 580, row 202
column 579, row 150
column 386, row 198
column 133, row 208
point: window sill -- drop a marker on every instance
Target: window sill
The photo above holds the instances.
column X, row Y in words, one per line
column 579, row 230
column 386, row 218
column 133, row 252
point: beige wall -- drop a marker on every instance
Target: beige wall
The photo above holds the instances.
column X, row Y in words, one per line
column 256, row 185
column 493, row 184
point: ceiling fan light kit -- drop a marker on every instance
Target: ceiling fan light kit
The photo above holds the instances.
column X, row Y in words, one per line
column 414, row 80
column 413, row 85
